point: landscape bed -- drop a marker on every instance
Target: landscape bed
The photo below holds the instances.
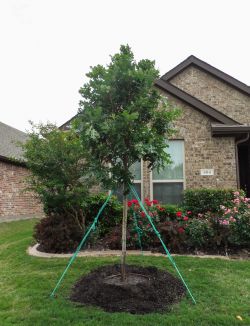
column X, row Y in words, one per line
column 221, row 288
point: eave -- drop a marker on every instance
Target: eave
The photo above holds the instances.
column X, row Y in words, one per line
column 12, row 161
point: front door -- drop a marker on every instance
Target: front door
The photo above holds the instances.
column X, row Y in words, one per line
column 244, row 166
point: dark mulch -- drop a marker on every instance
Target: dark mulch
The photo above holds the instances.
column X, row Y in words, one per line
column 146, row 290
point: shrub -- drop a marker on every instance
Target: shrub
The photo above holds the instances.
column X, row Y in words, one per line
column 199, row 233
column 168, row 211
column 230, row 224
column 59, row 171
column 204, row 200
column 240, row 235
column 138, row 224
column 111, row 215
column 58, row 233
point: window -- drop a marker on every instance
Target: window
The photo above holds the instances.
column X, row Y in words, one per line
column 168, row 184
column 136, row 169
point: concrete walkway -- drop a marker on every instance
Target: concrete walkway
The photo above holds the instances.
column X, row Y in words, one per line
column 32, row 251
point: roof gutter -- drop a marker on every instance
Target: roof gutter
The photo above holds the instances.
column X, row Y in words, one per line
column 229, row 130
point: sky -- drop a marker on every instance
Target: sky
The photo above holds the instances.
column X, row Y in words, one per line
column 48, row 46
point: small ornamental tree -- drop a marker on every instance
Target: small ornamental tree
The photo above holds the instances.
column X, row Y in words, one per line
column 123, row 119
column 59, row 172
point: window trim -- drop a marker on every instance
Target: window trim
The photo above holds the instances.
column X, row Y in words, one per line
column 137, row 181
column 183, row 180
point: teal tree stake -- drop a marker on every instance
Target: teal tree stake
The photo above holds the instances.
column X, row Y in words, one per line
column 92, row 227
column 163, row 244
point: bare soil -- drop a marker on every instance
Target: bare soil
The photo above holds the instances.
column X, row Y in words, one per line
column 146, row 289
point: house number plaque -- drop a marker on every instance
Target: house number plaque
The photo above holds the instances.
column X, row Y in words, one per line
column 207, row 171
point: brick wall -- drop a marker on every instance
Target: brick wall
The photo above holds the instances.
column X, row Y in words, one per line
column 215, row 93
column 202, row 151
column 14, row 202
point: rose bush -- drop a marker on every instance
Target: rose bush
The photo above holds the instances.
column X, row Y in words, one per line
column 183, row 230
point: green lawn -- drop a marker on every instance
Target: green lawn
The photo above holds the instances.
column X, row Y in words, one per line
column 221, row 288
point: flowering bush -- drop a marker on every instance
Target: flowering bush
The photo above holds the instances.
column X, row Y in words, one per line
column 183, row 230
column 173, row 230
column 139, row 224
column 170, row 223
column 238, row 218
column 199, row 233
column 231, row 224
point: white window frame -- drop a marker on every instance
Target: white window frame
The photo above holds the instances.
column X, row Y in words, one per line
column 152, row 181
column 136, row 181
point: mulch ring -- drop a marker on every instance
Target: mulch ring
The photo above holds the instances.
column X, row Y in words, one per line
column 146, row 289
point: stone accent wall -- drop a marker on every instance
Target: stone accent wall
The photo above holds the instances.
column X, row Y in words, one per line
column 202, row 151
column 215, row 93
column 14, row 202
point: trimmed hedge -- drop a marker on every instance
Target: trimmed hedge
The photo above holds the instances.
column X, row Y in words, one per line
column 204, row 200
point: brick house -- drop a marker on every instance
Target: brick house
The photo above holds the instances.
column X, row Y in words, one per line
column 14, row 202
column 211, row 146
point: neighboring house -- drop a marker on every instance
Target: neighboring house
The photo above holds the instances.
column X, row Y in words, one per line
column 14, row 201
column 211, row 146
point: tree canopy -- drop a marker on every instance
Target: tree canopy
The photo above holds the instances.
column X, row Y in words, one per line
column 123, row 118
column 59, row 172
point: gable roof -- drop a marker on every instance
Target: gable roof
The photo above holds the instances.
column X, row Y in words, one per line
column 164, row 83
column 194, row 102
column 194, row 61
column 9, row 136
column 66, row 125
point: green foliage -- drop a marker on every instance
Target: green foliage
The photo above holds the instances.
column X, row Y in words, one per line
column 59, row 172
column 203, row 200
column 111, row 215
column 240, row 234
column 168, row 211
column 199, row 233
column 58, row 233
column 123, row 118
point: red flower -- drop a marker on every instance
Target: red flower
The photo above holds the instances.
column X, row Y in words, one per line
column 142, row 214
column 129, row 203
column 181, row 230
column 189, row 212
column 185, row 218
column 179, row 214
column 154, row 201
column 134, row 201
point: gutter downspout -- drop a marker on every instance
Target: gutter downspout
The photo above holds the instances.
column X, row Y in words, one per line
column 237, row 158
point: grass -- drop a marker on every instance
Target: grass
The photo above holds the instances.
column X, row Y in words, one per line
column 221, row 288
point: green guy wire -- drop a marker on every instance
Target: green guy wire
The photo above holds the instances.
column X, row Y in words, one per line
column 163, row 244
column 92, row 227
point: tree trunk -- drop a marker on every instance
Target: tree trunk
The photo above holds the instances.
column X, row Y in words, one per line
column 124, row 237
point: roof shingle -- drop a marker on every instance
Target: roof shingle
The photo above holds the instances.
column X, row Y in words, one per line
column 9, row 137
